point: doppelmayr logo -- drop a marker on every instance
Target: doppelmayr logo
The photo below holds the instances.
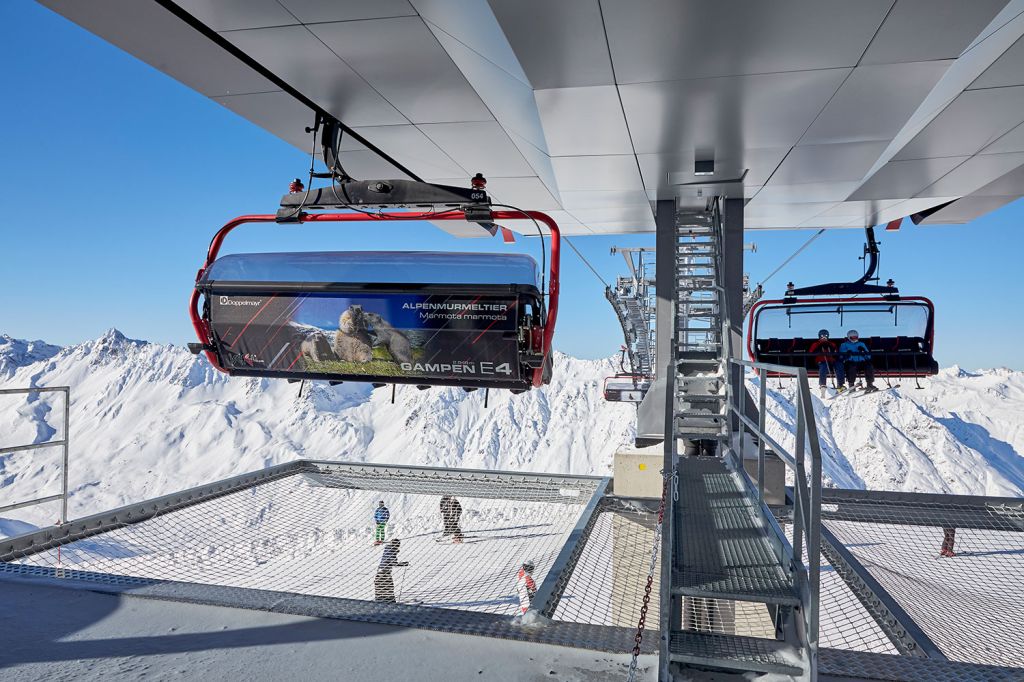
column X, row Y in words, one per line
column 224, row 300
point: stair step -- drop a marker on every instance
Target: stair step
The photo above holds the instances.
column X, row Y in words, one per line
column 732, row 652
column 698, row 415
column 722, row 548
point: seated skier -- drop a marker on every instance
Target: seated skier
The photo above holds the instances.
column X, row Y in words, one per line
column 826, row 359
column 856, row 359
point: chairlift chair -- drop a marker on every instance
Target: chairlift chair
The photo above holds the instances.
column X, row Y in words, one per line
column 898, row 330
column 428, row 319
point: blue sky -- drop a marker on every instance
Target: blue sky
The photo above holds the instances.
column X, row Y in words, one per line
column 115, row 177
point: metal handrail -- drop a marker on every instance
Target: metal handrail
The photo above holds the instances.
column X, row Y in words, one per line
column 806, row 526
column 63, row 443
column 807, row 490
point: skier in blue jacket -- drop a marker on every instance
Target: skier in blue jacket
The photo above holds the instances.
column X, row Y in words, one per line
column 856, row 358
column 380, row 516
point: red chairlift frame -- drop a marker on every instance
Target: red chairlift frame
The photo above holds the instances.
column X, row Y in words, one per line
column 546, row 332
column 929, row 332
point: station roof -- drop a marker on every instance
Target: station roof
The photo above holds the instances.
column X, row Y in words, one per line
column 820, row 113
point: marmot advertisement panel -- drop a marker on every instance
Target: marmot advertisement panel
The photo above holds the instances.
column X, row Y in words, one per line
column 370, row 336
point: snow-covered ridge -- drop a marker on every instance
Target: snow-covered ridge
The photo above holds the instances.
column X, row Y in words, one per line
column 148, row 419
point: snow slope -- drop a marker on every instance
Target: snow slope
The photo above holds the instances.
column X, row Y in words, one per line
column 961, row 433
column 148, row 419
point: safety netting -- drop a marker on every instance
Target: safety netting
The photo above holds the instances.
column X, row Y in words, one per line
column 961, row 580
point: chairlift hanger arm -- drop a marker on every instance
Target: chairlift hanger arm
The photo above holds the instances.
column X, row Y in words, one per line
column 859, row 286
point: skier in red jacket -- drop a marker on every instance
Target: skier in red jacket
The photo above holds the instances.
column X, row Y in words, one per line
column 825, row 356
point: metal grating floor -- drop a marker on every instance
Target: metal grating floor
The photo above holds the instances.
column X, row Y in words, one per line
column 751, row 653
column 722, row 551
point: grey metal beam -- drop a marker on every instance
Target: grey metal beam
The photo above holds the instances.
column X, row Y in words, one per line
column 476, row 473
column 925, row 509
column 53, row 536
column 30, row 503
column 580, row 635
column 650, row 415
column 905, row 634
column 545, row 601
column 33, row 389
column 32, row 446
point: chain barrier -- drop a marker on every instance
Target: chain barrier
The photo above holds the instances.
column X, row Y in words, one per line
column 639, row 637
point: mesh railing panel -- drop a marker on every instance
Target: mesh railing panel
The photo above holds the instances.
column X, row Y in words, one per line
column 607, row 584
column 970, row 604
column 844, row 622
column 301, row 534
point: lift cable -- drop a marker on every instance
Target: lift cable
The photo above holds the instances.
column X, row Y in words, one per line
column 794, row 255
column 586, row 262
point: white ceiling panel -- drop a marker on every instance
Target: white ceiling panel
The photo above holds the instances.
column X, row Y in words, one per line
column 1006, row 71
column 473, row 24
column 907, row 207
column 900, row 179
column 275, row 112
column 1011, row 184
column 166, row 43
column 575, row 173
column 567, row 49
column 806, row 193
column 403, row 61
column 479, row 147
column 875, row 102
column 726, row 115
column 529, row 194
column 583, row 121
column 794, row 214
column 975, row 119
column 603, row 199
column 415, row 150
column 230, row 15
column 966, row 209
column 509, row 99
column 567, row 225
column 663, row 40
column 1012, row 141
column 295, row 54
column 839, row 163
column 659, row 170
column 973, row 174
column 830, row 221
column 627, row 227
column 319, row 11
column 922, row 30
column 640, row 214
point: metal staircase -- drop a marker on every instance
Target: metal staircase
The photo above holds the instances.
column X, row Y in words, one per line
column 738, row 595
column 700, row 395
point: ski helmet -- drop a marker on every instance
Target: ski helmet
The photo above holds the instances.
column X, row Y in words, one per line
column 852, row 333
column 822, row 332
column 528, row 566
column 381, row 503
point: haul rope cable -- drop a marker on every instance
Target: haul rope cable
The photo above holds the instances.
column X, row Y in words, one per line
column 795, row 254
column 586, row 262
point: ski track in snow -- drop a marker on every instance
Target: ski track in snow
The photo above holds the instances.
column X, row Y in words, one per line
column 149, row 419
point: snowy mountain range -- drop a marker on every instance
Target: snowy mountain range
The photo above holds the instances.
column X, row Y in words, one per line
column 148, row 419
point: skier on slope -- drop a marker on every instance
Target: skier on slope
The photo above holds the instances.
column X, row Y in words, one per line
column 948, row 540
column 451, row 513
column 526, row 587
column 381, row 515
column 383, row 583
column 857, row 358
column 825, row 356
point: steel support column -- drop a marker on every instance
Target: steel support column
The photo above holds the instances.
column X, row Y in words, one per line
column 650, row 420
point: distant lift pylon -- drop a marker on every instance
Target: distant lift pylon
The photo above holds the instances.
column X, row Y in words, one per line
column 898, row 330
